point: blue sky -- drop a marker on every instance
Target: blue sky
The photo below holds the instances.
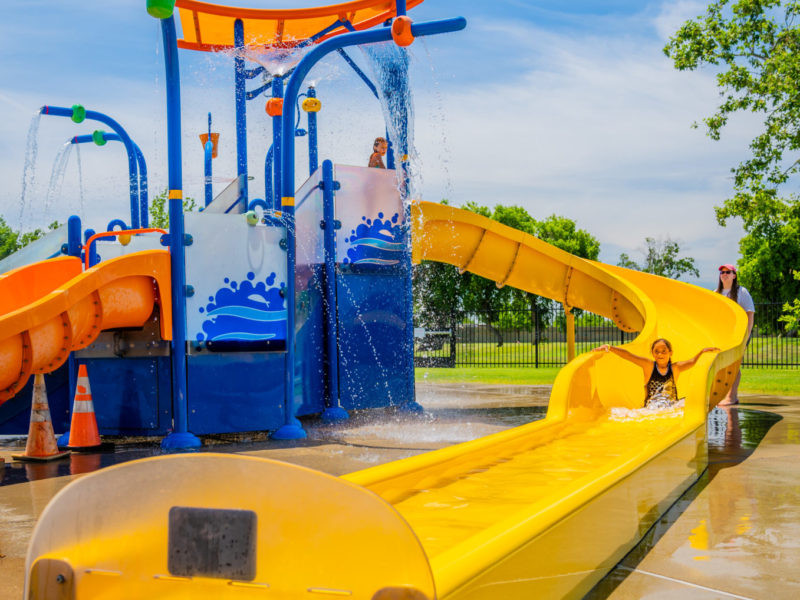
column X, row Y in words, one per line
column 567, row 108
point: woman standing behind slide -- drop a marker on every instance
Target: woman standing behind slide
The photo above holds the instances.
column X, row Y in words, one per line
column 728, row 285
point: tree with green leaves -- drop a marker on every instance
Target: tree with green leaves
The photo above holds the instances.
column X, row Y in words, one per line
column 754, row 48
column 12, row 240
column 159, row 209
column 440, row 289
column 661, row 258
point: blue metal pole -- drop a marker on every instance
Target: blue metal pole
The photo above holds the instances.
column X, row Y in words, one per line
column 287, row 156
column 241, row 105
column 93, row 115
column 313, row 160
column 334, row 411
column 268, row 189
column 208, row 150
column 277, row 124
column 401, row 7
column 180, row 438
column 73, row 249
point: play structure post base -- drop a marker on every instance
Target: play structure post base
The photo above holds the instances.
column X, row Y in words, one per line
column 181, row 440
column 290, row 431
column 412, row 407
column 334, row 413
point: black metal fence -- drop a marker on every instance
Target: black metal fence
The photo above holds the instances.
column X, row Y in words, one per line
column 537, row 337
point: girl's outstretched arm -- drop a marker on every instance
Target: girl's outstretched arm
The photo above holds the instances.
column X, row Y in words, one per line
column 629, row 356
column 685, row 364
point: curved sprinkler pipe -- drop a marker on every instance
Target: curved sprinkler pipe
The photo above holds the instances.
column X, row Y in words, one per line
column 292, row 427
column 77, row 113
column 144, row 203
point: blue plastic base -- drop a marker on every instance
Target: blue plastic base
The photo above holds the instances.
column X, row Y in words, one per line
column 181, row 441
column 334, row 413
column 63, row 440
column 412, row 407
column 293, row 431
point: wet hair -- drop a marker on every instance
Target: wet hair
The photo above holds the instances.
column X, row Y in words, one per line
column 378, row 140
column 734, row 293
column 666, row 342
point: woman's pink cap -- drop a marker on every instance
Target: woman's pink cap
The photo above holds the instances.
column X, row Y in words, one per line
column 728, row 267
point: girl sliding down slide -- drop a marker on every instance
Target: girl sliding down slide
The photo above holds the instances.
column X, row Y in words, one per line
column 660, row 390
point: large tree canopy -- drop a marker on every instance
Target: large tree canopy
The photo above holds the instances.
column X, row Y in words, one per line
column 754, row 47
column 441, row 294
column 661, row 258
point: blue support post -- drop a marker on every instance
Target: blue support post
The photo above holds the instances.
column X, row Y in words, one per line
column 208, row 154
column 73, row 249
column 181, row 437
column 313, row 150
column 334, row 410
column 93, row 115
column 277, row 123
column 240, row 77
column 91, row 249
column 287, row 157
column 269, row 196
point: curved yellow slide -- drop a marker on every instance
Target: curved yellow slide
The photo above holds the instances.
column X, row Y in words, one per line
column 540, row 511
column 52, row 307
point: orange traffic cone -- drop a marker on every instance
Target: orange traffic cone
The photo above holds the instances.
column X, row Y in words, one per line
column 83, row 432
column 41, row 444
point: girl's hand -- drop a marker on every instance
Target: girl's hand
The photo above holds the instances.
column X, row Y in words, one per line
column 603, row 348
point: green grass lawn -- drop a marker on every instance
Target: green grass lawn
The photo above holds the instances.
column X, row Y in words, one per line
column 778, row 382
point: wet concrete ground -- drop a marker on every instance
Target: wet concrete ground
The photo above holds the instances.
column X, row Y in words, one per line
column 734, row 534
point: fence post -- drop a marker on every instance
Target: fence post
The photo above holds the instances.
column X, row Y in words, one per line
column 452, row 360
column 570, row 332
column 536, row 333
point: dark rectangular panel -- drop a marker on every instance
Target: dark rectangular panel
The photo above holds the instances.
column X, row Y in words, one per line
column 212, row 542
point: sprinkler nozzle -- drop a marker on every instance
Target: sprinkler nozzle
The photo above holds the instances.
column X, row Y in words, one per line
column 78, row 113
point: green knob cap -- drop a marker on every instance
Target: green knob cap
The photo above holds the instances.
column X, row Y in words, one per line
column 160, row 9
column 251, row 216
column 97, row 137
column 78, row 113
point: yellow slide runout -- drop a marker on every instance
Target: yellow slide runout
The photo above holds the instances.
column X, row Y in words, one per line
column 544, row 510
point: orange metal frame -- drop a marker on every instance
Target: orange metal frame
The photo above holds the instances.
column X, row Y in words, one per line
column 201, row 19
column 102, row 234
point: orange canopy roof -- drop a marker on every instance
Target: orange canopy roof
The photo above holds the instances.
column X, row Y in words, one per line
column 209, row 27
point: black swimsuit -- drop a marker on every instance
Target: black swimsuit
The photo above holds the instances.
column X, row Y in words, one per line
column 661, row 386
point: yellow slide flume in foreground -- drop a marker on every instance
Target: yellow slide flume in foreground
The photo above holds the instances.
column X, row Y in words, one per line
column 539, row 511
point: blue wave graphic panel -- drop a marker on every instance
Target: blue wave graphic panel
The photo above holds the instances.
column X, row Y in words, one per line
column 246, row 311
column 375, row 241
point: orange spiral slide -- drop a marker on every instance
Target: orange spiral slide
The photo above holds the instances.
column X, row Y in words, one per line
column 50, row 308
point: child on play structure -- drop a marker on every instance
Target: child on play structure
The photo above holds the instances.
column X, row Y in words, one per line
column 660, row 390
column 379, row 147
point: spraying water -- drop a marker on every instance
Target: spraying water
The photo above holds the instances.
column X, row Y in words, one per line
column 80, row 181
column 29, row 169
column 389, row 65
column 57, row 175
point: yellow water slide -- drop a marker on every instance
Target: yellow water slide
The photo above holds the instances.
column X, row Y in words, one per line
column 53, row 307
column 540, row 511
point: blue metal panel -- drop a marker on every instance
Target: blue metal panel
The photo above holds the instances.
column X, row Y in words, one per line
column 372, row 310
column 125, row 392
column 231, row 392
column 15, row 413
column 310, row 357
